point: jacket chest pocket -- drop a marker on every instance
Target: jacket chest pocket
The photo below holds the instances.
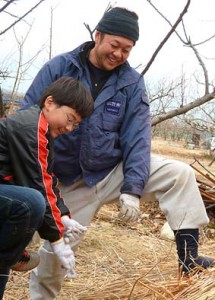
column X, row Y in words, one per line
column 110, row 124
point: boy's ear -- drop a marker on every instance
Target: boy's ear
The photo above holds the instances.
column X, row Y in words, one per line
column 48, row 102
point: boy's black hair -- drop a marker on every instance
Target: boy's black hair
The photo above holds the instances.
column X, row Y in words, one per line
column 70, row 92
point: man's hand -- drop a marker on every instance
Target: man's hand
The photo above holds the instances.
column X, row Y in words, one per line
column 64, row 254
column 73, row 230
column 129, row 207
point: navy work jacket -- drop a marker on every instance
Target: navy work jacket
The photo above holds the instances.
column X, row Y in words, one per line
column 118, row 130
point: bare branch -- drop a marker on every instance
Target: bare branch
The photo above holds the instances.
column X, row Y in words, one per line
column 203, row 67
column 191, row 45
column 91, row 32
column 22, row 17
column 6, row 5
column 166, row 37
column 184, row 109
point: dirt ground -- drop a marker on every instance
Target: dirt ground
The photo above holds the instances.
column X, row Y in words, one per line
column 131, row 261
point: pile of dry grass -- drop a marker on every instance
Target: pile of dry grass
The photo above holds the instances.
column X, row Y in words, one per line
column 127, row 262
column 132, row 262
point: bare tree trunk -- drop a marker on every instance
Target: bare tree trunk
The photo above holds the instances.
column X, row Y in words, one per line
column 22, row 67
column 51, row 34
column 1, row 104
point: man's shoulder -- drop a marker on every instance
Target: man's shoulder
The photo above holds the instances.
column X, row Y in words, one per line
column 69, row 54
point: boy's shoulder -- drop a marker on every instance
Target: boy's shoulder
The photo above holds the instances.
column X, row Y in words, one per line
column 21, row 118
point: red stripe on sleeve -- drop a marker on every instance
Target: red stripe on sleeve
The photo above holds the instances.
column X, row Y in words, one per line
column 47, row 178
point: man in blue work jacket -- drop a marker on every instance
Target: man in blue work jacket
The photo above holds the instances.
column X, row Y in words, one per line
column 108, row 157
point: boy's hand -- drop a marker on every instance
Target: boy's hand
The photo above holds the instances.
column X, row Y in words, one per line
column 73, row 230
column 64, row 254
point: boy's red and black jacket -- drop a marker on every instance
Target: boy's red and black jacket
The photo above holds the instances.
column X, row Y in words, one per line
column 27, row 159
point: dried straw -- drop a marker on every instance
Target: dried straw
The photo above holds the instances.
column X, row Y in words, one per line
column 126, row 262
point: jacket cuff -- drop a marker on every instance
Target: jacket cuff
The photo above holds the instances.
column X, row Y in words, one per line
column 134, row 188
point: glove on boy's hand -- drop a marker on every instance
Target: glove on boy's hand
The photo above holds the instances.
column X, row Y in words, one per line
column 73, row 230
column 129, row 207
column 65, row 254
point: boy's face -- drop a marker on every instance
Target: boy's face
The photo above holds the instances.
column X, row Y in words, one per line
column 61, row 119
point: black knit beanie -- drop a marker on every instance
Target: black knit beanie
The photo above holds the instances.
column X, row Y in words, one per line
column 120, row 21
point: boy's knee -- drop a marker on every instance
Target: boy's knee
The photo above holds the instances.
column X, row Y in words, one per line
column 36, row 203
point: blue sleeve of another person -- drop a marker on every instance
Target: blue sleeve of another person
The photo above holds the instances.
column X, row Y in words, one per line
column 50, row 72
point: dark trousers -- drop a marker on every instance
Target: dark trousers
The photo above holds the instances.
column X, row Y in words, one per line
column 21, row 213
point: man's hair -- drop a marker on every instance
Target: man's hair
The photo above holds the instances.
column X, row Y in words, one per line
column 70, row 92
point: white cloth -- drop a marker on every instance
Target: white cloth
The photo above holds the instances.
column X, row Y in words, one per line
column 172, row 183
column 166, row 232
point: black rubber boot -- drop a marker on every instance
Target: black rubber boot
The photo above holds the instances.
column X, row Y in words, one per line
column 4, row 275
column 187, row 248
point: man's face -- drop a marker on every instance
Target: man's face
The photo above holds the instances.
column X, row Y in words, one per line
column 110, row 51
column 61, row 119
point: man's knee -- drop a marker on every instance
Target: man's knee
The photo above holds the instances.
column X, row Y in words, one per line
column 181, row 170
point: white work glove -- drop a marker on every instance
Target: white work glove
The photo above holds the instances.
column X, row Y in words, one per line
column 65, row 255
column 73, row 230
column 129, row 207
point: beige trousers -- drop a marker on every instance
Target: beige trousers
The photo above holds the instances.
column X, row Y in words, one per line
column 171, row 182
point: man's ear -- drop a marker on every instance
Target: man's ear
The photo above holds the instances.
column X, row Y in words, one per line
column 97, row 36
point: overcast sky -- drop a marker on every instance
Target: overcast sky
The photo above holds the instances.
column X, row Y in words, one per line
column 69, row 31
